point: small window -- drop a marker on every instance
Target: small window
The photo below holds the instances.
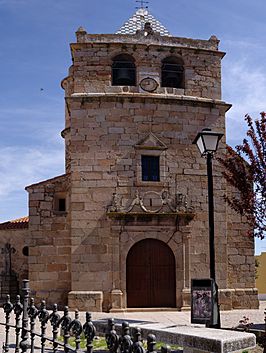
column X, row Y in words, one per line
column 62, row 205
column 150, row 168
column 25, row 251
column 123, row 71
column 173, row 72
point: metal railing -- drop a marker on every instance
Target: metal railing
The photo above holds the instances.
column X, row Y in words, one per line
column 25, row 319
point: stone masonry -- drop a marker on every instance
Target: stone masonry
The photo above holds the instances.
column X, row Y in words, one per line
column 80, row 255
column 18, row 240
column 50, row 250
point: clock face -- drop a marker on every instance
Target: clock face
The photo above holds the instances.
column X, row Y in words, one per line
column 149, row 84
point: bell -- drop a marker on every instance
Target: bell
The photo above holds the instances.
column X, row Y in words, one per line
column 172, row 79
column 124, row 76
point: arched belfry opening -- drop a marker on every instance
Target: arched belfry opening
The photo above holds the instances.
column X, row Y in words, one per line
column 151, row 278
column 123, row 70
column 173, row 72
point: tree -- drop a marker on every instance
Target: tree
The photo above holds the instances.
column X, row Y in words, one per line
column 245, row 170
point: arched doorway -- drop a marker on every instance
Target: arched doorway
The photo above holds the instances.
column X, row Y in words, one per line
column 151, row 275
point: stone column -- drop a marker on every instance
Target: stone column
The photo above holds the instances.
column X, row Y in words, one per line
column 186, row 303
column 117, row 296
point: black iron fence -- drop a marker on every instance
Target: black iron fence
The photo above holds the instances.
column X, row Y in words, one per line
column 25, row 323
column 28, row 328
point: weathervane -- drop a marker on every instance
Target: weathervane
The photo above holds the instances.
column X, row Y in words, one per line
column 142, row 4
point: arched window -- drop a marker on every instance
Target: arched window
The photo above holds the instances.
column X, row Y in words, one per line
column 123, row 71
column 173, row 72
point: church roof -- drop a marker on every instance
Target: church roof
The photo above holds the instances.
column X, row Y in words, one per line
column 19, row 223
column 137, row 21
column 52, row 180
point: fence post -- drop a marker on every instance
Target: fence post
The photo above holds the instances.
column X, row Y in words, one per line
column 18, row 309
column 75, row 328
column 125, row 341
column 8, row 307
column 89, row 332
column 112, row 339
column 151, row 342
column 65, row 322
column 54, row 319
column 137, row 344
column 24, row 344
column 43, row 316
column 33, row 313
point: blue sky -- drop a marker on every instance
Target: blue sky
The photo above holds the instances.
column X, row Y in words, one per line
column 35, row 57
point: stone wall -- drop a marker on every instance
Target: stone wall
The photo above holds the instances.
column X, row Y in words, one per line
column 241, row 259
column 50, row 246
column 18, row 239
column 241, row 262
column 108, row 128
column 104, row 132
column 92, row 62
column 241, row 266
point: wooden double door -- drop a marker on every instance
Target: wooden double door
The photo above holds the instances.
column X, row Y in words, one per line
column 151, row 278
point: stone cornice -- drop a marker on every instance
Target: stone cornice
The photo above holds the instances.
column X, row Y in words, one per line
column 161, row 47
column 139, row 38
column 172, row 99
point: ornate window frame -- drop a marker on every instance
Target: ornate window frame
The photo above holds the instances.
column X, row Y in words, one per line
column 151, row 145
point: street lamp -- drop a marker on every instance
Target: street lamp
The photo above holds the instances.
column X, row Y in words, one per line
column 207, row 142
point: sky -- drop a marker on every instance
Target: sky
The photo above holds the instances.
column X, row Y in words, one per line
column 35, row 56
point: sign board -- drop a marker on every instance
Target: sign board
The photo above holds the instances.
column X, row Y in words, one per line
column 202, row 300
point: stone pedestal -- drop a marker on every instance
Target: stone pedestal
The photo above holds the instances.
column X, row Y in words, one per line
column 186, row 299
column 229, row 299
column 245, row 298
column 225, row 298
column 85, row 300
column 116, row 299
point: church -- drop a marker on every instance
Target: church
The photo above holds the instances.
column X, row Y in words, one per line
column 126, row 226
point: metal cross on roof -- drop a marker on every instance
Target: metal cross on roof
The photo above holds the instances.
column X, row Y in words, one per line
column 142, row 4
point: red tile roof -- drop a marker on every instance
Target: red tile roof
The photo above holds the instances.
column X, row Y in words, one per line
column 19, row 223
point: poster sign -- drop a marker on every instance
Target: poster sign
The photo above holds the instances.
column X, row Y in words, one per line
column 202, row 300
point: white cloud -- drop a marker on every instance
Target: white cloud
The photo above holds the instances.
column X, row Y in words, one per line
column 240, row 44
column 245, row 88
column 20, row 167
column 31, row 150
column 41, row 111
column 32, row 125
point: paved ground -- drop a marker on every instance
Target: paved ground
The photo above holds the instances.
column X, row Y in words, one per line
column 229, row 319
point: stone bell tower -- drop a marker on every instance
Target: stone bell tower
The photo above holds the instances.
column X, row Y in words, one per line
column 135, row 211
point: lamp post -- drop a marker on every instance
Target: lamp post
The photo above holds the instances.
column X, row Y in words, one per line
column 207, row 142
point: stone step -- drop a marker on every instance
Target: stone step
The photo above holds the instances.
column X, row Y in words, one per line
column 140, row 310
